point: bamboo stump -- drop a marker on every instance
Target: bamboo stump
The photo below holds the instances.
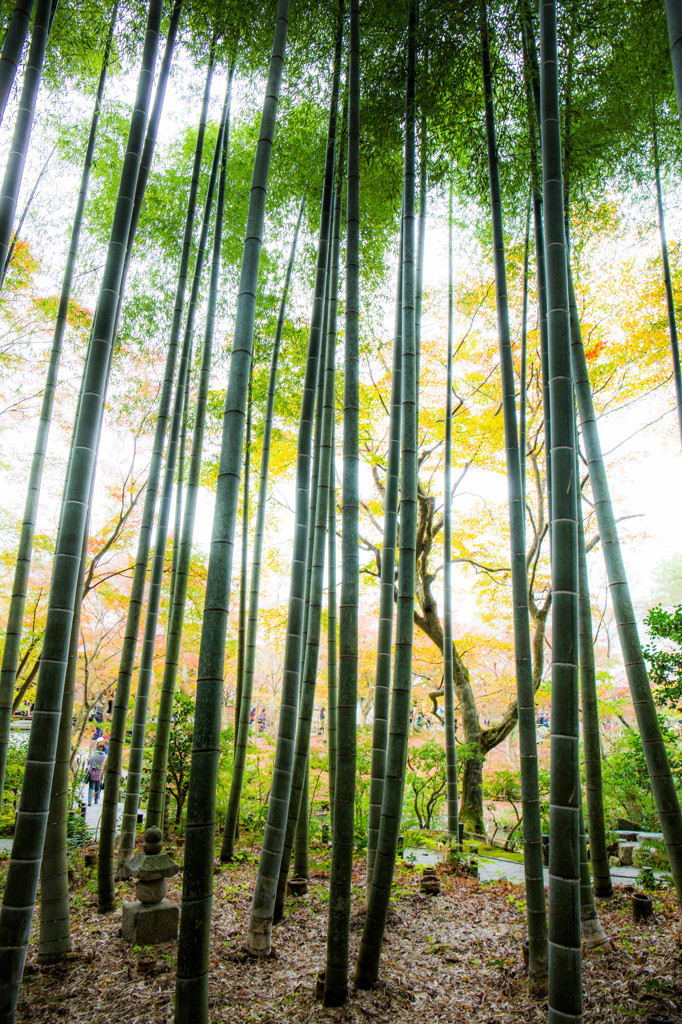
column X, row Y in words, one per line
column 642, row 906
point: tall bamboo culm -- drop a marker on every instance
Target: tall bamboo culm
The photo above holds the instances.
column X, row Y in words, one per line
column 105, row 865
column 12, row 47
column 382, row 671
column 237, row 781
column 298, row 800
column 673, row 10
column 338, row 920
column 391, row 808
column 157, row 779
column 452, row 807
column 16, row 158
column 263, row 903
column 530, row 791
column 662, row 783
column 22, row 878
column 191, row 994
column 565, row 966
column 10, row 654
column 55, row 918
column 531, row 74
column 667, row 280
column 130, row 807
column 244, row 570
column 594, row 797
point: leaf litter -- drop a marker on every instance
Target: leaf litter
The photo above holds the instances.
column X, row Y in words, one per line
column 453, row 958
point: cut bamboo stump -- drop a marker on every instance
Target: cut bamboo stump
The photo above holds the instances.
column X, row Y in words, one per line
column 641, row 906
column 297, row 886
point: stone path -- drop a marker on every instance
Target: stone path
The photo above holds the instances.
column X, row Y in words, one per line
column 490, row 869
column 92, row 817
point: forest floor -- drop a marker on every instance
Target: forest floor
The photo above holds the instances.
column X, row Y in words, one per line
column 455, row 957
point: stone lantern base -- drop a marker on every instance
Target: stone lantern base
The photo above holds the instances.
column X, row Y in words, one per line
column 148, row 925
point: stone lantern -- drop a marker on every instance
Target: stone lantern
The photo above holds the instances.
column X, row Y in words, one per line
column 151, row 918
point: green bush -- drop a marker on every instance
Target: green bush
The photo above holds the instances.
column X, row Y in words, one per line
column 625, row 780
column 14, row 776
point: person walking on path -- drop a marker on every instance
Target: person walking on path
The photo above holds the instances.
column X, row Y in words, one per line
column 95, row 773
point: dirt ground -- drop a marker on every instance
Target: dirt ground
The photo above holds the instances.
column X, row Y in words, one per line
column 455, row 957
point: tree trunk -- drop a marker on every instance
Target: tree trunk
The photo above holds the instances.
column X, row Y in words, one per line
column 531, row 74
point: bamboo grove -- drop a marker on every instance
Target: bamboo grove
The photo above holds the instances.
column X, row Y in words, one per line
column 524, row 112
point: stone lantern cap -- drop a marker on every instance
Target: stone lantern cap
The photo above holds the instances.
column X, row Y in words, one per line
column 152, row 863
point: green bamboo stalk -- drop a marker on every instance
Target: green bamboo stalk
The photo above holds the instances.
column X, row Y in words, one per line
column 673, row 10
column 300, row 770
column 262, row 907
column 523, row 369
column 243, row 583
column 332, row 675
column 662, row 783
column 157, row 780
column 237, row 781
column 179, row 491
column 191, row 1004
column 338, row 920
column 667, row 280
column 594, row 799
column 377, row 903
column 421, row 235
column 27, row 206
column 16, row 158
column 314, row 476
column 448, row 677
column 531, row 74
column 12, row 48
column 105, row 867
column 530, row 792
column 302, row 839
column 129, row 821
column 55, row 925
column 10, row 655
column 565, row 970
column 382, row 672
column 22, row 878
column 591, row 929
